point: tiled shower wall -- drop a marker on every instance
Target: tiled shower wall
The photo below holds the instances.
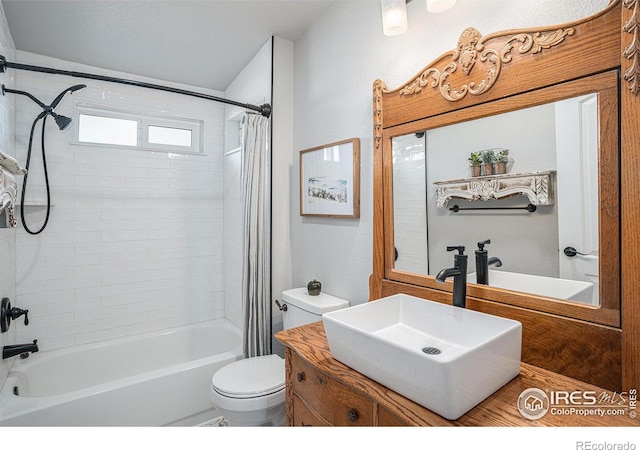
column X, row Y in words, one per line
column 134, row 242
column 7, row 235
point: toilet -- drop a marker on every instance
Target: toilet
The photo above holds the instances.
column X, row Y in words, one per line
column 251, row 391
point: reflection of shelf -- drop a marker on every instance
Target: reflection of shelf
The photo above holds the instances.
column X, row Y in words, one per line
column 538, row 186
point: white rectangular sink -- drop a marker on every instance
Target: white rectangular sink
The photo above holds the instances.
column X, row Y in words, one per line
column 577, row 291
column 384, row 340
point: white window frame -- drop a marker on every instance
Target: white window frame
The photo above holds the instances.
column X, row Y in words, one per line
column 144, row 121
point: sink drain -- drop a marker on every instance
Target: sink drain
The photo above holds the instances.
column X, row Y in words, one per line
column 431, row 351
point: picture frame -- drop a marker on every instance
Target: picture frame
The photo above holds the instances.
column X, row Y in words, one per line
column 330, row 180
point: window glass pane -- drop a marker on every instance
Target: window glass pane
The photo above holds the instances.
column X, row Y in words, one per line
column 107, row 130
column 169, row 136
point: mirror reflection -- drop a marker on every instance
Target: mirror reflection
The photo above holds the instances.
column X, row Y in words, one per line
column 552, row 251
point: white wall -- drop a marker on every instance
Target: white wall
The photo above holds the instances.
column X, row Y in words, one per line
column 7, row 235
column 282, row 160
column 336, row 62
column 134, row 242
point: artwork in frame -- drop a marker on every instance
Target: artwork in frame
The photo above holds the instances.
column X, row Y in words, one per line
column 330, row 180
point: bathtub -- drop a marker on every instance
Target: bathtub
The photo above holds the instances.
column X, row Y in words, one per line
column 155, row 379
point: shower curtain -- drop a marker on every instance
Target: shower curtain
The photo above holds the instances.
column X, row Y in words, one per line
column 256, row 270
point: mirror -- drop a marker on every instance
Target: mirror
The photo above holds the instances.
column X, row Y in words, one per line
column 561, row 137
column 563, row 143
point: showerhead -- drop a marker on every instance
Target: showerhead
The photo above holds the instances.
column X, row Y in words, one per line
column 62, row 121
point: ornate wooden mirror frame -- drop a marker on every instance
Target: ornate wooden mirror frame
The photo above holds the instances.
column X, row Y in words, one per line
column 504, row 71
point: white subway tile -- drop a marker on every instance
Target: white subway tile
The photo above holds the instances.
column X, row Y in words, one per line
column 99, row 313
column 135, row 240
column 124, row 277
column 88, row 292
column 101, row 335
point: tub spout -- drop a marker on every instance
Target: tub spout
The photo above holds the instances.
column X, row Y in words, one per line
column 20, row 349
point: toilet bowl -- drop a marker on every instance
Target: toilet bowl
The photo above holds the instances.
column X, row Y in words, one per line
column 251, row 391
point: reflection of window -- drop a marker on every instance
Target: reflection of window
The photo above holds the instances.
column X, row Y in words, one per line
column 107, row 127
column 332, row 154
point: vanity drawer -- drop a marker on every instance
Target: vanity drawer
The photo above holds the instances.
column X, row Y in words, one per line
column 329, row 399
column 304, row 417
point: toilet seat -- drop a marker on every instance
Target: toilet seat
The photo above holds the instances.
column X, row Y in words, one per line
column 250, row 378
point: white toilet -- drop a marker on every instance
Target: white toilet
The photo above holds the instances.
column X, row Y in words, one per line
column 250, row 392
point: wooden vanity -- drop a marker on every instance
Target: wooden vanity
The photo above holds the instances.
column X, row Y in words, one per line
column 321, row 391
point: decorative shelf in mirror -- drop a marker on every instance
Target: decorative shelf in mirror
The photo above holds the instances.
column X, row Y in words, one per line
column 537, row 186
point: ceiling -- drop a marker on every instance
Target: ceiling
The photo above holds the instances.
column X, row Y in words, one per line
column 202, row 43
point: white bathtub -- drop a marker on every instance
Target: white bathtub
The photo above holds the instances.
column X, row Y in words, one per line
column 154, row 379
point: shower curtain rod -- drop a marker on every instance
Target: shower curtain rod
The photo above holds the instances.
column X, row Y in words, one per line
column 265, row 109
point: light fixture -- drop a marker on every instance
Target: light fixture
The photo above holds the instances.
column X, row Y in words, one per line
column 394, row 17
column 436, row 6
column 394, row 13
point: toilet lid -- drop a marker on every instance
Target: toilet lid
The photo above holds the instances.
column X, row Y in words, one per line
column 251, row 377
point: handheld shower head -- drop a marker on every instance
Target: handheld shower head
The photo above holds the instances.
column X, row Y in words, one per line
column 61, row 95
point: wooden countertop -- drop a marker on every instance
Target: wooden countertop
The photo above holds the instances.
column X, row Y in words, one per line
column 500, row 409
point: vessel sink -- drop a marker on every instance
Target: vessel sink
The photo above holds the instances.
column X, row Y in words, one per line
column 445, row 358
column 577, row 291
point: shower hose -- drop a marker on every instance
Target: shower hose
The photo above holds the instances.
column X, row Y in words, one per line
column 42, row 116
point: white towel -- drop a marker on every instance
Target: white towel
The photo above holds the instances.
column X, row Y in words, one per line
column 8, row 193
column 11, row 164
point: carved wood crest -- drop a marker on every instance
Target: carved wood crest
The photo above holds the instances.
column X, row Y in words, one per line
column 378, row 87
column 473, row 48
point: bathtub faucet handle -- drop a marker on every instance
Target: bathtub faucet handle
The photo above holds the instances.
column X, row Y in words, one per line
column 14, row 313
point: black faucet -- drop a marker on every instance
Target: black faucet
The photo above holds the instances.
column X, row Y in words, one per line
column 20, row 349
column 459, row 274
column 483, row 262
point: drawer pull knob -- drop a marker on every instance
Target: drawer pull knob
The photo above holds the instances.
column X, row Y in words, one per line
column 352, row 415
column 300, row 376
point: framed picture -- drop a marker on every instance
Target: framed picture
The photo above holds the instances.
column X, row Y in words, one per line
column 330, row 180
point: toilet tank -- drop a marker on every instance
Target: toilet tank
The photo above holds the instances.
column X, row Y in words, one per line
column 303, row 308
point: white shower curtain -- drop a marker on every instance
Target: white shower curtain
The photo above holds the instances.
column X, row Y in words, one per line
column 256, row 270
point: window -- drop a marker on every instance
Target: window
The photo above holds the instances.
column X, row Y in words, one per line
column 106, row 127
column 170, row 136
column 107, row 130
